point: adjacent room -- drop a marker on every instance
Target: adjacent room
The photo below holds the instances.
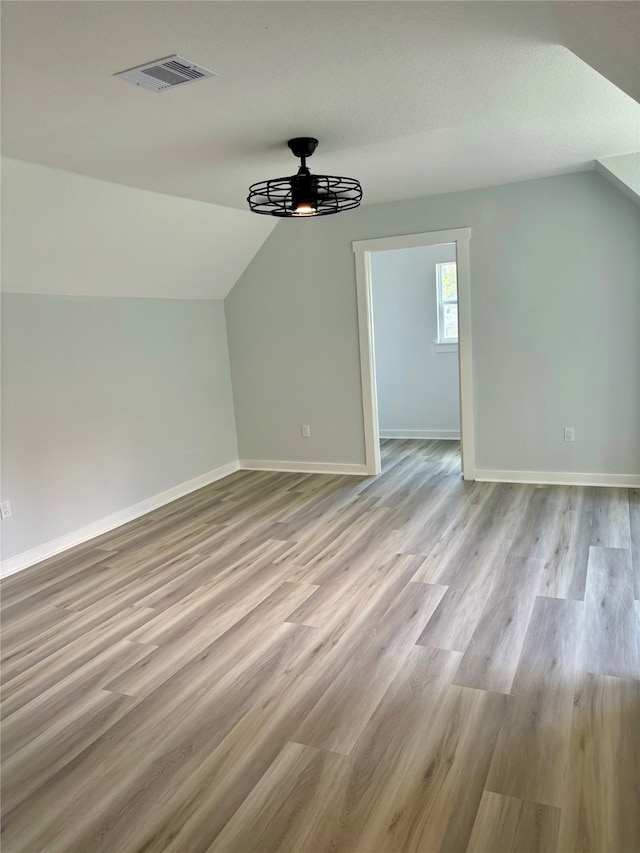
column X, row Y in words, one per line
column 415, row 322
column 320, row 535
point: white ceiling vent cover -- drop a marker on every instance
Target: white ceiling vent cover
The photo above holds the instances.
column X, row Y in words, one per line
column 165, row 73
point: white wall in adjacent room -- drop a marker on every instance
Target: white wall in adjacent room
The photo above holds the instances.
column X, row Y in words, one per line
column 417, row 383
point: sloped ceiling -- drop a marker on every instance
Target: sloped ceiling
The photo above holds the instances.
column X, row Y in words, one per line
column 606, row 36
column 623, row 172
column 412, row 98
column 70, row 235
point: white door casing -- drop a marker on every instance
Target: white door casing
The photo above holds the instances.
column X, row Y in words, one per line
column 362, row 250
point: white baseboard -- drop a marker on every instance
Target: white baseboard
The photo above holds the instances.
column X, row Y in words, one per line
column 442, row 434
column 304, row 467
column 110, row 522
column 557, row 478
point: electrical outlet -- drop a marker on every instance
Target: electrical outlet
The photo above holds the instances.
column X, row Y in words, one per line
column 569, row 434
column 5, row 509
column 306, row 430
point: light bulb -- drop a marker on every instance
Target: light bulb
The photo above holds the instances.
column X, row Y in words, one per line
column 304, row 209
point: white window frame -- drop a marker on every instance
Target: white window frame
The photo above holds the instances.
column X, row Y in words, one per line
column 442, row 342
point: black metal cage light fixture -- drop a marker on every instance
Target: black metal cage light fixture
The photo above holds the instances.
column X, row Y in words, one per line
column 304, row 194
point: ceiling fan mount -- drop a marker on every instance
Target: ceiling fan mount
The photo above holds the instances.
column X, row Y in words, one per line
column 303, row 146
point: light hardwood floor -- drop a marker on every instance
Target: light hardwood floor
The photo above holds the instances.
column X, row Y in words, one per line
column 311, row 663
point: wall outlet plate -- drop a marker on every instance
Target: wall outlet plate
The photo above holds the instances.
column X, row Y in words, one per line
column 569, row 434
column 5, row 509
column 306, row 430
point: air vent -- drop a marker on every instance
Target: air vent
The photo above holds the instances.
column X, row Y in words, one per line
column 165, row 73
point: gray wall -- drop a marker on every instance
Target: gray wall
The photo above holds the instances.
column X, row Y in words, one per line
column 106, row 402
column 417, row 384
column 555, row 321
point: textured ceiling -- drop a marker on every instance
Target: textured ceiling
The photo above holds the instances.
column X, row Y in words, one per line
column 412, row 98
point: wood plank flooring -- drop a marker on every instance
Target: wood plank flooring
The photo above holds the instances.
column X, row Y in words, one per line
column 310, row 663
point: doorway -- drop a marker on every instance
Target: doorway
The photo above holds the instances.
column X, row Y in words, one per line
column 363, row 250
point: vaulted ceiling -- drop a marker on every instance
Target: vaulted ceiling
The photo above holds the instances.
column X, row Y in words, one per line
column 412, row 98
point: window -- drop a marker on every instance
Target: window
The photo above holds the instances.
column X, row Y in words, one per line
column 447, row 281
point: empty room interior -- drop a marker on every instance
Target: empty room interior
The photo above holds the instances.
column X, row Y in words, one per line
column 320, row 536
